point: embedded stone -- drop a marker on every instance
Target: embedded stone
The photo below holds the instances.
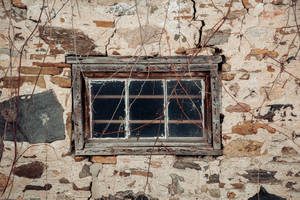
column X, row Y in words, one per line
column 37, row 187
column 50, row 64
column 231, row 195
column 61, row 81
column 226, row 67
column 41, row 71
column 242, row 148
column 179, row 164
column 237, row 185
column 60, row 42
column 63, row 180
column 249, row 128
column 85, row 171
column 104, row 24
column 240, row 107
column 141, row 173
column 180, row 51
column 261, row 176
column 104, row 159
column 13, row 81
column 288, row 151
column 31, row 170
column 228, row 76
column 213, row 179
column 245, row 76
column 264, row 195
column 76, row 188
column 18, row 4
column 175, row 188
column 260, row 54
column 44, row 124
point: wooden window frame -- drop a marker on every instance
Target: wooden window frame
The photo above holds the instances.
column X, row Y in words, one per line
column 160, row 67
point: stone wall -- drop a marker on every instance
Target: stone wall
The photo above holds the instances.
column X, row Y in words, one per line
column 260, row 97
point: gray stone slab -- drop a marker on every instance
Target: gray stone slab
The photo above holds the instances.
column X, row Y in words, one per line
column 39, row 119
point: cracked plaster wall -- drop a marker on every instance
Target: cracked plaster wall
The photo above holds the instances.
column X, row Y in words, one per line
column 262, row 151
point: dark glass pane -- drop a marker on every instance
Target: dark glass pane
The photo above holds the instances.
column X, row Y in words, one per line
column 147, row 130
column 180, row 109
column 108, row 131
column 191, row 87
column 105, row 108
column 185, row 130
column 107, row 87
column 143, row 87
column 146, row 109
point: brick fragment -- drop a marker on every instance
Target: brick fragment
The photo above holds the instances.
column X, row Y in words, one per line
column 105, row 159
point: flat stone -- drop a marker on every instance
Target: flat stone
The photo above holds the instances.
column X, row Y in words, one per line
column 261, row 176
column 228, row 76
column 175, row 188
column 85, row 171
column 242, row 148
column 63, row 82
column 40, row 118
column 58, row 36
column 264, row 195
column 13, row 81
column 104, row 24
column 240, row 107
column 179, row 164
column 104, row 159
column 42, row 71
column 31, row 170
column 214, row 178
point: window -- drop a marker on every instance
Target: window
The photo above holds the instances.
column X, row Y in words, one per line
column 139, row 105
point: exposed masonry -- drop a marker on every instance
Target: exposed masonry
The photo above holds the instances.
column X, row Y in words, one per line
column 259, row 41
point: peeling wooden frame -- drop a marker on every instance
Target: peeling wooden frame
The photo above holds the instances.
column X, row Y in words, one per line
column 137, row 67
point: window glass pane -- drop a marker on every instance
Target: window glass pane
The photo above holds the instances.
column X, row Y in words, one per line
column 108, row 109
column 147, row 130
column 191, row 87
column 146, row 109
column 143, row 87
column 185, row 130
column 108, row 131
column 108, row 105
column 107, row 87
column 185, row 109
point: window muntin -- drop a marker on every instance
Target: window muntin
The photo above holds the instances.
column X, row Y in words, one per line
column 143, row 108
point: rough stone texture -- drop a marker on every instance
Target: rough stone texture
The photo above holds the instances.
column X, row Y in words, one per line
column 258, row 41
column 104, row 159
column 13, row 82
column 55, row 36
column 240, row 107
column 30, row 170
column 62, row 82
column 264, row 195
column 42, row 71
column 240, row 148
column 261, row 176
column 185, row 164
column 40, row 118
